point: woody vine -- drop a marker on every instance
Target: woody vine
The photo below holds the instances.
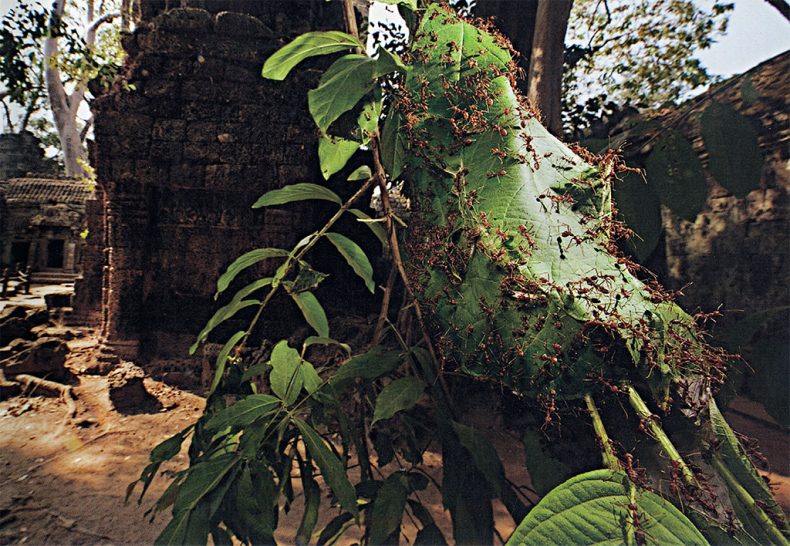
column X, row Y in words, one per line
column 511, row 275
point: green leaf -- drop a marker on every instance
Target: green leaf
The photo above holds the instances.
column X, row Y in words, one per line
column 202, row 478
column 315, row 340
column 286, row 379
column 254, row 514
column 388, row 508
column 169, row 448
column 593, row 509
column 222, row 358
column 243, row 412
column 313, row 312
column 245, row 261
column 374, row 225
column 297, row 192
column 250, row 288
column 307, row 45
column 734, row 156
column 186, row 527
column 368, row 120
column 220, row 316
column 399, row 395
column 341, row 87
column 331, row 469
column 312, row 381
column 362, row 173
column 312, row 502
column 377, row 361
column 334, row 153
column 355, row 257
column 388, row 62
column 734, row 457
column 255, row 370
column 393, row 144
column 674, row 172
column 485, row 456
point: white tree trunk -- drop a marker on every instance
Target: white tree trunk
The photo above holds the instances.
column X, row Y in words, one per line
column 64, row 106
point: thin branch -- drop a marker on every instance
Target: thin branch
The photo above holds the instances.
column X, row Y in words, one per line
column 94, row 26
column 782, row 6
column 84, row 132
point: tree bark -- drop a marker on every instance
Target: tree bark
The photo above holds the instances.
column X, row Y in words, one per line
column 64, row 105
column 546, row 61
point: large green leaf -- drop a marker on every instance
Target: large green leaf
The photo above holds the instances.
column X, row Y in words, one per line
column 511, row 248
column 331, row 469
column 355, row 257
column 399, row 395
column 243, row 412
column 594, row 509
column 253, row 517
column 297, row 192
column 341, row 87
column 313, row 312
column 307, row 45
column 734, row 156
column 246, row 260
column 674, row 172
column 286, row 378
column 334, row 153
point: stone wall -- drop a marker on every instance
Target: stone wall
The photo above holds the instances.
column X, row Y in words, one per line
column 184, row 146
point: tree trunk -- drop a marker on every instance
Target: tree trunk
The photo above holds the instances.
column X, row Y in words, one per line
column 536, row 29
column 64, row 105
column 546, row 62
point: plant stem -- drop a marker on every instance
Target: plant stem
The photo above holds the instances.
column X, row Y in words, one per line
column 609, row 459
column 658, row 433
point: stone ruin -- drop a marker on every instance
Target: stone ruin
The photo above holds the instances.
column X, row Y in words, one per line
column 184, row 144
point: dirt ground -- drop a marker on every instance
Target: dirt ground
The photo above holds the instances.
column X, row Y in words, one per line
column 63, row 479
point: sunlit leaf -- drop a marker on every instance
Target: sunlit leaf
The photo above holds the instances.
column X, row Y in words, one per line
column 313, row 312
column 221, row 315
column 593, row 509
column 245, row 261
column 334, row 153
column 341, row 87
column 355, row 257
column 361, row 173
column 307, row 45
column 285, row 378
column 297, row 192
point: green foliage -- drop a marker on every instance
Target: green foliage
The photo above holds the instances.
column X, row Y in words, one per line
column 642, row 52
column 510, row 261
column 604, row 507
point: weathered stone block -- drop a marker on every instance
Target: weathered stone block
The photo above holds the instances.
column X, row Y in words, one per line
column 189, row 20
column 202, row 152
column 224, row 176
column 201, row 131
column 239, row 24
column 169, row 129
